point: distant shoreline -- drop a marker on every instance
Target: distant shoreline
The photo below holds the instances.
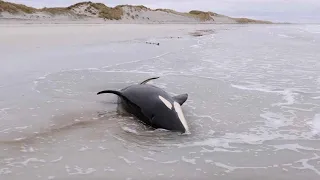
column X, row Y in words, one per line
column 122, row 14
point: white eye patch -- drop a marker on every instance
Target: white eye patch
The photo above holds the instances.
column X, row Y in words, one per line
column 178, row 109
column 166, row 102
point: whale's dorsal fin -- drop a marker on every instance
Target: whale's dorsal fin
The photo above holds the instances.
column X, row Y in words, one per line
column 180, row 98
column 145, row 81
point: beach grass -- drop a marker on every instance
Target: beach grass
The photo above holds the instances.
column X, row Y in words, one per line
column 79, row 4
column 170, row 11
column 138, row 8
column 15, row 8
column 247, row 21
column 56, row 10
column 203, row 16
column 117, row 12
column 105, row 12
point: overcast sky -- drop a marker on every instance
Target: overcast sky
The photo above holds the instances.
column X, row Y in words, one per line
column 304, row 11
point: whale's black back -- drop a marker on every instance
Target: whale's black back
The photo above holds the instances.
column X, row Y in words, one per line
column 153, row 106
column 144, row 101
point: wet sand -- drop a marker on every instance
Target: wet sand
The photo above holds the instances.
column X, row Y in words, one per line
column 253, row 106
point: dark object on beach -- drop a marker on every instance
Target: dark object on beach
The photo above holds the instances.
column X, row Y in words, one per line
column 153, row 106
column 196, row 34
column 153, row 43
column 203, row 32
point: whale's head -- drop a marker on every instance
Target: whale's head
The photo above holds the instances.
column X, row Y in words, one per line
column 169, row 115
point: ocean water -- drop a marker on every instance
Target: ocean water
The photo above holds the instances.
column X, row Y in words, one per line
column 253, row 107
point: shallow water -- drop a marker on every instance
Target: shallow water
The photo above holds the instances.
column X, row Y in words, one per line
column 253, row 107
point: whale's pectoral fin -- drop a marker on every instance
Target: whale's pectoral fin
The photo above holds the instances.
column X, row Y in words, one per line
column 145, row 81
column 181, row 98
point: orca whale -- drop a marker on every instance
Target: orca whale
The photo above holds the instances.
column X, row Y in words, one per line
column 153, row 106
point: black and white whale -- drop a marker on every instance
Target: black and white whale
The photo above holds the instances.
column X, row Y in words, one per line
column 153, row 106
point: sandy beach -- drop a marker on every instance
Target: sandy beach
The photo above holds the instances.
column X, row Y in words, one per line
column 77, row 34
column 253, row 107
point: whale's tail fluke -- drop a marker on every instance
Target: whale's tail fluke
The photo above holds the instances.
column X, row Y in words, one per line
column 114, row 92
column 120, row 95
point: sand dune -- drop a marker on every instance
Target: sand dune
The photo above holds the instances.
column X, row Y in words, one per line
column 98, row 12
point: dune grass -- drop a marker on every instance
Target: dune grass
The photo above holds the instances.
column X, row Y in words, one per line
column 117, row 12
column 196, row 12
column 111, row 13
column 15, row 8
column 203, row 16
column 105, row 12
column 79, row 4
column 138, row 8
column 248, row 21
column 170, row 11
column 56, row 10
